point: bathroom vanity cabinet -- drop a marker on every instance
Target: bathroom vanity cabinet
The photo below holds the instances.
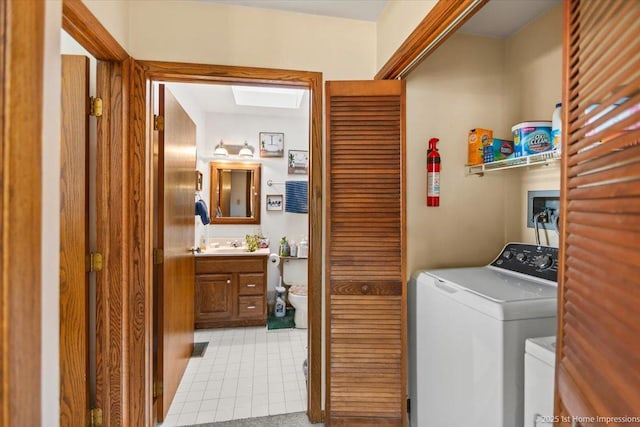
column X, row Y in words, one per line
column 230, row 291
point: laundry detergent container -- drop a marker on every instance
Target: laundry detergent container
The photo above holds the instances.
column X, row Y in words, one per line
column 531, row 138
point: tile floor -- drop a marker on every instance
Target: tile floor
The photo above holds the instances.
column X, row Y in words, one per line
column 245, row 373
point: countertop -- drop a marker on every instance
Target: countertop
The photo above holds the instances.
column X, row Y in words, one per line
column 229, row 251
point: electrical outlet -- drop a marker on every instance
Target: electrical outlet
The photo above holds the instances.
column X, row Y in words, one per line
column 543, row 207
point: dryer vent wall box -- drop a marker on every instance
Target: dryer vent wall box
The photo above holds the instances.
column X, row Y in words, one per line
column 545, row 202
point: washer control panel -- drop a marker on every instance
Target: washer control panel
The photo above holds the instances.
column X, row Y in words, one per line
column 533, row 260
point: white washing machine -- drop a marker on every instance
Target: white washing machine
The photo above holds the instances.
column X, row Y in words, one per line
column 539, row 370
column 467, row 332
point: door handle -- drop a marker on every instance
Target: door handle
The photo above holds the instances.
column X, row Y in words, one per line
column 251, row 307
column 193, row 250
column 251, row 285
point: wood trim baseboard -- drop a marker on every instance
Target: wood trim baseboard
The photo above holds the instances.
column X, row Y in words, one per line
column 441, row 21
column 21, row 100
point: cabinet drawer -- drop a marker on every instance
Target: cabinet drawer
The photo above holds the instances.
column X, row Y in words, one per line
column 251, row 306
column 250, row 283
column 242, row 264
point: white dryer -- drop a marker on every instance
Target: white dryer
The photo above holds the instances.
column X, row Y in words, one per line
column 539, row 371
column 467, row 332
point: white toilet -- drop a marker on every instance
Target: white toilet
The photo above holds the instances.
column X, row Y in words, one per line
column 298, row 299
column 539, row 369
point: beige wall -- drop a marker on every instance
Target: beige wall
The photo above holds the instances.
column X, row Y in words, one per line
column 232, row 35
column 533, row 86
column 114, row 15
column 50, row 394
column 459, row 87
column 398, row 19
column 478, row 82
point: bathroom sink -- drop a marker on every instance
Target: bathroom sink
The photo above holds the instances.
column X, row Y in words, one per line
column 230, row 250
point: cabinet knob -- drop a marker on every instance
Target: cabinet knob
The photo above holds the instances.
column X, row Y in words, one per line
column 228, row 280
column 365, row 289
column 251, row 285
column 251, row 307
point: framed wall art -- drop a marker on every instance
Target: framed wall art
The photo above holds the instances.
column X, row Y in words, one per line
column 275, row 202
column 271, row 144
column 298, row 161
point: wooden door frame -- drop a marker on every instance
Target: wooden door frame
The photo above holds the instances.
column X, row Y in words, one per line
column 21, row 74
column 143, row 72
column 441, row 22
column 114, row 358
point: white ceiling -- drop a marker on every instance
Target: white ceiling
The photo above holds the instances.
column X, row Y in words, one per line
column 364, row 10
column 218, row 98
column 501, row 18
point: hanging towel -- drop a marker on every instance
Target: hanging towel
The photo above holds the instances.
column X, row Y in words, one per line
column 297, row 200
column 201, row 210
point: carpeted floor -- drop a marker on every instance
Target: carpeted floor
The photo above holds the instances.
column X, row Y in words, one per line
column 299, row 419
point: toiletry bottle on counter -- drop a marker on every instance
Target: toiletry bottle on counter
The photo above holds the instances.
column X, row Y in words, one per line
column 556, row 126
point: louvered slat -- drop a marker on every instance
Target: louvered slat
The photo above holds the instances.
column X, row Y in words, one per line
column 598, row 372
column 366, row 378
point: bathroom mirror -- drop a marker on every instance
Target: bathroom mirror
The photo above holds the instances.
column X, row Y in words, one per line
column 235, row 192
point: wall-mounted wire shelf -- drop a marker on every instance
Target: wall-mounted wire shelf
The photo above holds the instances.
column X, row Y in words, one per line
column 545, row 158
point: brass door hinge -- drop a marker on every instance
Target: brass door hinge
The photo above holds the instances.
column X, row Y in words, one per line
column 157, row 389
column 158, row 122
column 158, row 256
column 94, row 262
column 96, row 417
column 95, row 106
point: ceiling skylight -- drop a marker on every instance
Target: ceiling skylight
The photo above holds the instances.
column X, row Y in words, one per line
column 274, row 97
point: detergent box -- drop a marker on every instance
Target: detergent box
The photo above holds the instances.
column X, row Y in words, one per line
column 532, row 138
column 478, row 138
column 500, row 149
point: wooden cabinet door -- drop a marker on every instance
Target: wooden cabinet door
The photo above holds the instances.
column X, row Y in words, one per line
column 598, row 362
column 214, row 297
column 365, row 268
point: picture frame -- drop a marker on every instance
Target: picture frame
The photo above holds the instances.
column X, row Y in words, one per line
column 298, row 162
column 271, row 144
column 275, row 202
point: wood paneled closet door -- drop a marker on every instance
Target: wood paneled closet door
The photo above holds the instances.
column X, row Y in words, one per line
column 598, row 360
column 365, row 253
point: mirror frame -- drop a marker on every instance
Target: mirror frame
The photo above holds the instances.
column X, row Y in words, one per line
column 213, row 201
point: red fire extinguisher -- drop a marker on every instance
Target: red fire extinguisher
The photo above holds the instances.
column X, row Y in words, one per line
column 433, row 174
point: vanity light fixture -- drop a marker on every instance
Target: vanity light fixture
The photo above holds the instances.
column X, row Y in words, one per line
column 220, row 150
column 246, row 151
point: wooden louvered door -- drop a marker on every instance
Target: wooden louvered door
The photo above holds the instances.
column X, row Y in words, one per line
column 598, row 371
column 365, row 248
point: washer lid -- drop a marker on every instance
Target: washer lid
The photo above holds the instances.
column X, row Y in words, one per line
column 503, row 296
column 496, row 285
column 543, row 348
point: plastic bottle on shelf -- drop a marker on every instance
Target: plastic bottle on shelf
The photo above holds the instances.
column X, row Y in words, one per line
column 293, row 249
column 556, row 127
column 303, row 248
